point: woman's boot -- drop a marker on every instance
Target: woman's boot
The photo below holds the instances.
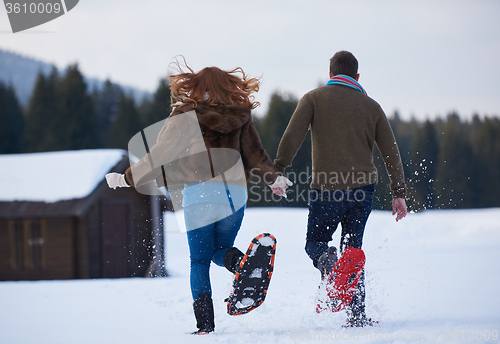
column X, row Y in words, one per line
column 204, row 314
column 232, row 259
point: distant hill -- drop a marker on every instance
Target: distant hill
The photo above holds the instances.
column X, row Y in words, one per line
column 21, row 72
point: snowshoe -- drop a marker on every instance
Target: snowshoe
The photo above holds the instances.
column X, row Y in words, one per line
column 253, row 276
column 337, row 290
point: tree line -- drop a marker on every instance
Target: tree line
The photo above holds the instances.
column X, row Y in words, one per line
column 63, row 114
column 449, row 162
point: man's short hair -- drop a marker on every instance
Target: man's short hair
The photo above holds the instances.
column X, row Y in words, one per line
column 344, row 62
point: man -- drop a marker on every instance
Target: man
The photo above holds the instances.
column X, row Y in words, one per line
column 345, row 124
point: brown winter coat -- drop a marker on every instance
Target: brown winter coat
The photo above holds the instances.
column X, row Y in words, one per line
column 222, row 127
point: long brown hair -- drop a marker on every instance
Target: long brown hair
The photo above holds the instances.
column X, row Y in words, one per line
column 212, row 86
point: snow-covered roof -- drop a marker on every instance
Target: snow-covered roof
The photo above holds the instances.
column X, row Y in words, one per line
column 55, row 176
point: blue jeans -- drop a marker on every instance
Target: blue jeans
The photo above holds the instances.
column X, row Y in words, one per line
column 350, row 208
column 210, row 242
column 329, row 208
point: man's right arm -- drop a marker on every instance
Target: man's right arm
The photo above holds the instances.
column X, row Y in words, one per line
column 295, row 133
column 386, row 143
column 389, row 150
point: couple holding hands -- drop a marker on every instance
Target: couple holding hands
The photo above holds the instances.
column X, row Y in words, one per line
column 345, row 125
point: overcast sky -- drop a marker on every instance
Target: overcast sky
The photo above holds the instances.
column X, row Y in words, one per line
column 423, row 58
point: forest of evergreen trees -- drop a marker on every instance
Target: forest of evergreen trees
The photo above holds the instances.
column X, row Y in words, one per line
column 449, row 162
column 63, row 114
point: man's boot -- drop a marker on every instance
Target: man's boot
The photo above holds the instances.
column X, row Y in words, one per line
column 356, row 316
column 327, row 261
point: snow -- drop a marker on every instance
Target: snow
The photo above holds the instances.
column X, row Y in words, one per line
column 55, row 176
column 244, row 303
column 256, row 273
column 266, row 241
column 431, row 278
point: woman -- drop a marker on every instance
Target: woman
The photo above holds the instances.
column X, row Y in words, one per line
column 214, row 205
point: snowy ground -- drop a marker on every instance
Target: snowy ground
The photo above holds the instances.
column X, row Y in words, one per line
column 431, row 278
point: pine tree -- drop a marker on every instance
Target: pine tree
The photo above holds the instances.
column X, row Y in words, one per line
column 42, row 114
column 425, row 159
column 11, row 117
column 77, row 125
column 487, row 150
column 454, row 186
column 127, row 123
column 106, row 103
column 159, row 107
column 273, row 125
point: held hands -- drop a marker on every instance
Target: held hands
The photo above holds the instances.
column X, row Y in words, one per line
column 116, row 180
column 280, row 185
column 399, row 207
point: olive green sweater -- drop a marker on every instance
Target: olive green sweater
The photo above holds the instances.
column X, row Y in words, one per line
column 345, row 125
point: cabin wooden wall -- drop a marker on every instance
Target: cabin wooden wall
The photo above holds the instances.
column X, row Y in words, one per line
column 80, row 246
column 37, row 248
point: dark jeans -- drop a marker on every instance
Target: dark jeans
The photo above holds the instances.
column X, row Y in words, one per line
column 210, row 242
column 327, row 209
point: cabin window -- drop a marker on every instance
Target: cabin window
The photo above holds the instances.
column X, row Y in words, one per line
column 27, row 244
column 35, row 243
column 18, row 245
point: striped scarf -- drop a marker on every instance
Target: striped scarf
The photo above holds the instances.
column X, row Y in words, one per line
column 345, row 80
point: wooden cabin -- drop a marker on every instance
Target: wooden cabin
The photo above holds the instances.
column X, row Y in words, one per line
column 60, row 220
